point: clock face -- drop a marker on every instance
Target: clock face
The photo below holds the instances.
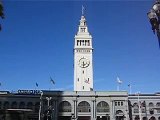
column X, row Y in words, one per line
column 83, row 62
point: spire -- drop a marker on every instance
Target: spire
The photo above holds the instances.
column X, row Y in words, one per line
column 83, row 29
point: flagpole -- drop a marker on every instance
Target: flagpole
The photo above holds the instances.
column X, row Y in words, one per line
column 118, row 86
column 130, row 91
column 52, row 81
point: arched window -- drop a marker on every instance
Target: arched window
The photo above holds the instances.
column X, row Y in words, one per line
column 144, row 118
column 158, row 104
column 84, row 107
column 152, row 118
column 21, row 105
column 119, row 112
column 135, row 108
column 37, row 107
column 65, row 106
column 6, row 105
column 102, row 107
column 14, row 105
column 135, row 104
column 29, row 105
column 151, row 104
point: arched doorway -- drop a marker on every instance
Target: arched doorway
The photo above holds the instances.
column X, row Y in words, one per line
column 119, row 115
column 6, row 105
column 152, row 118
column 84, row 110
column 22, row 105
column 103, row 111
column 65, row 107
column 14, row 105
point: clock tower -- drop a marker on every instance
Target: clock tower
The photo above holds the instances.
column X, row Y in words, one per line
column 83, row 66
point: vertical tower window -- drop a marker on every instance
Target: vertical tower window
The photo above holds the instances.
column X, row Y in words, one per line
column 80, row 42
column 88, row 43
column 77, row 42
column 83, row 42
column 83, row 71
column 83, row 87
column 78, row 79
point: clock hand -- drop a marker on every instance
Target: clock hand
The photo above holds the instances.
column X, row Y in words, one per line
column 83, row 64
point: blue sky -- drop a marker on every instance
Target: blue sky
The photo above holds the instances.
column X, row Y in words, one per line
column 38, row 37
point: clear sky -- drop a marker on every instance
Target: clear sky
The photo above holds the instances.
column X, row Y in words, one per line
column 38, row 37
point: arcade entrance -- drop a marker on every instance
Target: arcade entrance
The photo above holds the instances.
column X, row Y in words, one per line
column 103, row 118
column 64, row 118
column 119, row 117
column 84, row 118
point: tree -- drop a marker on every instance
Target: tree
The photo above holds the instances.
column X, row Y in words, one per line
column 1, row 12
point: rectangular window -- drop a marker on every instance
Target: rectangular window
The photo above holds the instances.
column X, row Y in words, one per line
column 88, row 43
column 83, row 87
column 121, row 103
column 77, row 42
column 83, row 43
column 115, row 103
column 118, row 103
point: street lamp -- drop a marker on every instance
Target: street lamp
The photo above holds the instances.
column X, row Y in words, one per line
column 40, row 107
column 49, row 108
column 154, row 17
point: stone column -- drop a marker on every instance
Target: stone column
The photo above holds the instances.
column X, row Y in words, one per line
column 75, row 109
column 126, row 110
column 93, row 110
column 112, row 111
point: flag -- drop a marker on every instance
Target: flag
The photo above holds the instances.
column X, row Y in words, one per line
column 36, row 84
column 83, row 10
column 129, row 85
column 119, row 81
column 86, row 81
column 52, row 81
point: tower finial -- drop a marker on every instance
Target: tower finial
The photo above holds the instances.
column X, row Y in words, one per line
column 83, row 10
